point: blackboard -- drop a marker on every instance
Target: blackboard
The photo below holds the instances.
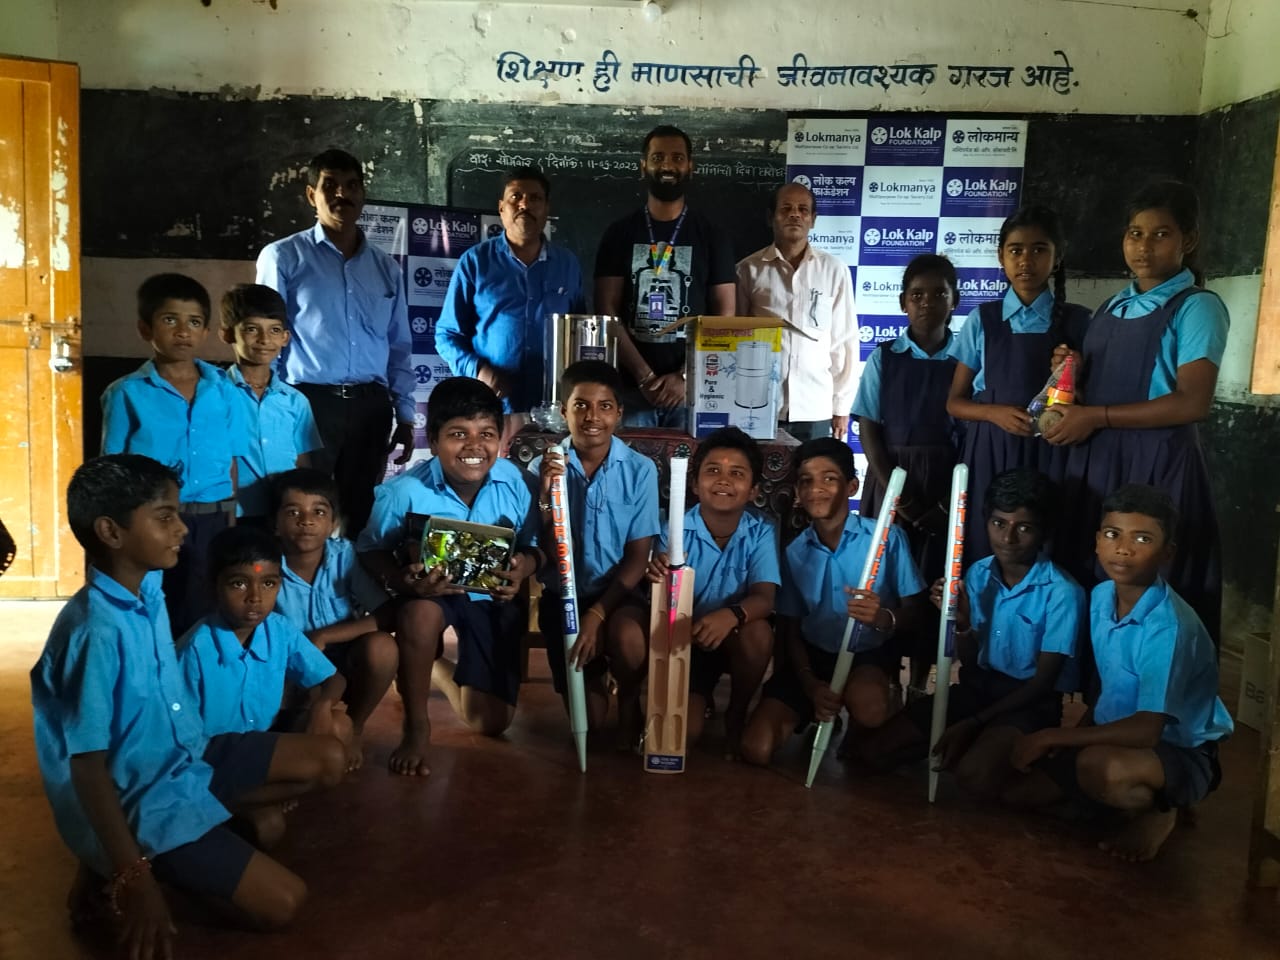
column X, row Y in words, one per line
column 591, row 155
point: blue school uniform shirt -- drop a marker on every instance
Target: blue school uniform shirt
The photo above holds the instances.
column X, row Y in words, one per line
column 281, row 429
column 616, row 506
column 497, row 309
column 349, row 318
column 970, row 345
column 1198, row 331
column 1157, row 659
column 814, row 578
column 1043, row 613
column 867, row 402
column 108, row 680
column 502, row 500
column 342, row 590
column 723, row 577
column 239, row 688
column 143, row 413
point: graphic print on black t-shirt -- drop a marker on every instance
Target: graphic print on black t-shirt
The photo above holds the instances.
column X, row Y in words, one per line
column 662, row 295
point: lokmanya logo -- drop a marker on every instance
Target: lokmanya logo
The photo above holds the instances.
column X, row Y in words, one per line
column 422, row 373
column 850, row 137
column 881, row 286
column 958, row 137
column 420, row 325
column 901, row 188
column 425, row 276
column 913, row 135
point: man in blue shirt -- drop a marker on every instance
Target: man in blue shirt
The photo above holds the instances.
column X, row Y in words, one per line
column 350, row 345
column 502, row 295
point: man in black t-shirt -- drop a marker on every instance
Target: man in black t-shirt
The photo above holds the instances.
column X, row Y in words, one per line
column 653, row 267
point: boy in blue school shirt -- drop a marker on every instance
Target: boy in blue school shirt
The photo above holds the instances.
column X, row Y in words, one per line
column 1149, row 743
column 820, row 592
column 465, row 480
column 328, row 594
column 182, row 412
column 282, row 430
column 613, row 518
column 734, row 554
column 1018, row 623
column 240, row 660
column 119, row 739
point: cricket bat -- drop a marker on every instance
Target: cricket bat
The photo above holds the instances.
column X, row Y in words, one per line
column 947, row 625
column 852, row 628
column 575, row 683
column 670, row 641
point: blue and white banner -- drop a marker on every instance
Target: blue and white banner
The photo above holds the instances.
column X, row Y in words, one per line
column 427, row 242
column 891, row 187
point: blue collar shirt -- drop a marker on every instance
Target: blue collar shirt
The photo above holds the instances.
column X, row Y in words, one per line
column 497, row 310
column 1042, row 613
column 281, row 429
column 502, row 500
column 342, row 590
column 109, row 681
column 617, row 505
column 814, row 577
column 1157, row 659
column 723, row 577
column 240, row 688
column 349, row 319
column 144, row 413
column 970, row 347
column 867, row 402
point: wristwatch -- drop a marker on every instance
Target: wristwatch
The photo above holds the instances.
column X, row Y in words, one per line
column 737, row 611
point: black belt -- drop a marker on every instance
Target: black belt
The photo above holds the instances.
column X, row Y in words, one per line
column 200, row 508
column 346, row 391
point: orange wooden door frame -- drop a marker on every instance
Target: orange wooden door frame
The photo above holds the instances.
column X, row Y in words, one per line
column 41, row 440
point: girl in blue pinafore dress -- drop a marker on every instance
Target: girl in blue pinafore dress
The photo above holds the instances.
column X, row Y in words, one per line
column 1004, row 355
column 1150, row 367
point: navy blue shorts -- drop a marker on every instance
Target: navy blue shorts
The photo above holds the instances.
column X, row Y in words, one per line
column 551, row 625
column 785, row 685
column 706, row 667
column 240, row 761
column 489, row 638
column 209, row 867
column 978, row 689
column 1190, row 773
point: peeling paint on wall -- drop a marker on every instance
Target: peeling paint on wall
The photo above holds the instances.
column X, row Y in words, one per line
column 13, row 248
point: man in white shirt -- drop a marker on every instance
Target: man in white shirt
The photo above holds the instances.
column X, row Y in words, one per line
column 812, row 291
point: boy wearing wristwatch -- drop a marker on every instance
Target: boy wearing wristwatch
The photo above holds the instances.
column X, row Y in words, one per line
column 735, row 555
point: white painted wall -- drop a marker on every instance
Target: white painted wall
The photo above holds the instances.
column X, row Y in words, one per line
column 29, row 28
column 1240, row 59
column 1128, row 59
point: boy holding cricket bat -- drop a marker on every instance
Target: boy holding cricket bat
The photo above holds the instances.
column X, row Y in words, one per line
column 735, row 556
column 1149, row 743
column 1018, row 624
column 819, row 570
column 465, row 480
column 613, row 510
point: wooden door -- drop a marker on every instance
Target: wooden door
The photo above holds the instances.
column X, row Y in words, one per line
column 40, row 414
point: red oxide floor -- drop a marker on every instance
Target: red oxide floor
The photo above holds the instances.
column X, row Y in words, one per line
column 506, row 851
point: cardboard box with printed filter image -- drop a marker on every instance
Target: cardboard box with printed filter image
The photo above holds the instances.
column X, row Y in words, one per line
column 733, row 374
column 1251, row 708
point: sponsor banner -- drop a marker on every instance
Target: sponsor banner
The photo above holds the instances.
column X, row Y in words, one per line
column 980, row 191
column 877, row 291
column 978, row 285
column 837, row 190
column 875, row 330
column 906, row 142
column 902, row 191
column 838, row 236
column 386, row 227
column 441, row 232
column 422, row 325
column 989, row 142
column 969, row 242
column 428, row 280
column 821, row 141
column 893, row 241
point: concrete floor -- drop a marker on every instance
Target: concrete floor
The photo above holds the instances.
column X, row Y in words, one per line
column 507, row 852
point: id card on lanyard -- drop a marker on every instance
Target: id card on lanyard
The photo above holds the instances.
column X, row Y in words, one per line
column 660, row 260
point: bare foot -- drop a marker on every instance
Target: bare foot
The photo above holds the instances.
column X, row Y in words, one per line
column 355, row 751
column 410, row 758
column 1142, row 837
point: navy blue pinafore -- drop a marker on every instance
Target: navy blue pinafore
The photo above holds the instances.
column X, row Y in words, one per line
column 1015, row 367
column 921, row 438
column 1119, row 360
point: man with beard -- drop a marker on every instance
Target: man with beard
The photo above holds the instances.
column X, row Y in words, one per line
column 501, row 298
column 812, row 291
column 653, row 267
column 349, row 347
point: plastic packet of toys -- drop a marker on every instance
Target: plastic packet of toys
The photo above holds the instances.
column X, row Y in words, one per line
column 1059, row 390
